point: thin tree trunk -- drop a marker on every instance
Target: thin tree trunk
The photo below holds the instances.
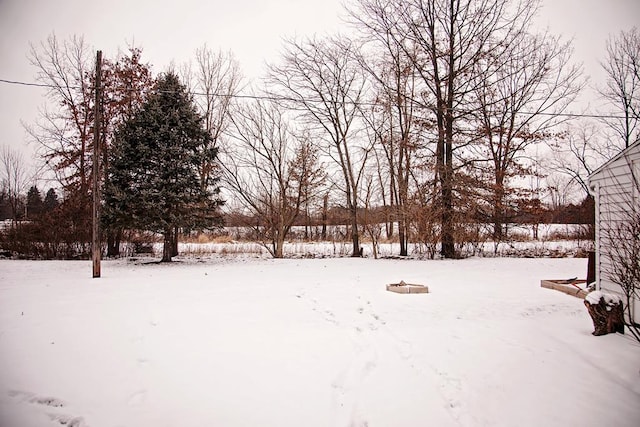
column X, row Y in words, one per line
column 325, row 208
column 167, row 247
column 402, row 236
column 355, row 235
column 174, row 243
column 498, row 209
column 448, row 239
column 113, row 242
column 278, row 250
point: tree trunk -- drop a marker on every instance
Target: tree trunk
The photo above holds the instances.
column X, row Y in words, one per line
column 402, row 236
column 167, row 247
column 498, row 231
column 355, row 235
column 278, row 247
column 448, row 242
column 607, row 319
column 498, row 208
column 307, row 221
column 174, row 243
column 325, row 208
column 113, row 242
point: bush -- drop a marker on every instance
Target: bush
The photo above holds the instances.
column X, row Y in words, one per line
column 63, row 233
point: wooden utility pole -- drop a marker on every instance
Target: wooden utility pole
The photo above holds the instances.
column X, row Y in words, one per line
column 96, row 247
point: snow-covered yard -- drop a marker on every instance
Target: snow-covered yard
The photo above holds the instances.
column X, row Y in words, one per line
column 307, row 342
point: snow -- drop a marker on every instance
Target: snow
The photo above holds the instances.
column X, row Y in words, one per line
column 313, row 342
column 610, row 299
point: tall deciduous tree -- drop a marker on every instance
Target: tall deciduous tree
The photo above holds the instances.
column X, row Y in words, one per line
column 444, row 41
column 392, row 119
column 13, row 179
column 153, row 181
column 64, row 130
column 261, row 171
column 323, row 80
column 520, row 94
column 310, row 174
column 215, row 77
column 622, row 89
column 576, row 153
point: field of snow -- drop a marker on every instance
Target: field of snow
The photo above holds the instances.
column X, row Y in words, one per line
column 306, row 342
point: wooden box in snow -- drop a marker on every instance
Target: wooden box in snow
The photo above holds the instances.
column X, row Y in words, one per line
column 407, row 288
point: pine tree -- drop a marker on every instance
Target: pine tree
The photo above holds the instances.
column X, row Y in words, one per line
column 50, row 200
column 153, row 182
column 34, row 202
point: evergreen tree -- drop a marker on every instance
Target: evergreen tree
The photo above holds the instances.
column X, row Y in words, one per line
column 34, row 202
column 153, row 182
column 50, row 200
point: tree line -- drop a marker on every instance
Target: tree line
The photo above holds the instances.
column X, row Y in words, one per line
column 423, row 121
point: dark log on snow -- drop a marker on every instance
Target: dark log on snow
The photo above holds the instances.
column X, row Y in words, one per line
column 607, row 317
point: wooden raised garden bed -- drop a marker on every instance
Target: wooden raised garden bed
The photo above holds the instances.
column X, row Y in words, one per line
column 572, row 287
column 407, row 288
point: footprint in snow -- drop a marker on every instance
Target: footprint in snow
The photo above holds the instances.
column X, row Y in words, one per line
column 137, row 398
column 67, row 420
column 49, row 402
column 38, row 400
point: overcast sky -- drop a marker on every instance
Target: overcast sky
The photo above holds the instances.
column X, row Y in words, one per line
column 172, row 30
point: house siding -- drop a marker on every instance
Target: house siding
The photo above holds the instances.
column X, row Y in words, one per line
column 616, row 188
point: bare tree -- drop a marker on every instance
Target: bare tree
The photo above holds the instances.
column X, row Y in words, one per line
column 559, row 188
column 451, row 37
column 520, row 94
column 444, row 41
column 310, row 173
column 65, row 132
column 13, row 179
column 391, row 70
column 323, row 81
column 622, row 90
column 578, row 151
column 261, row 171
column 392, row 119
column 371, row 220
column 215, row 80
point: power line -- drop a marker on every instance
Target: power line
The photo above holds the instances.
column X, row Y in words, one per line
column 290, row 99
column 14, row 82
column 222, row 95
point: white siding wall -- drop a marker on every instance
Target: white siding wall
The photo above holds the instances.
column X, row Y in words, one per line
column 616, row 187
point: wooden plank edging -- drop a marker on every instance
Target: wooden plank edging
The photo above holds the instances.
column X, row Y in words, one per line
column 566, row 288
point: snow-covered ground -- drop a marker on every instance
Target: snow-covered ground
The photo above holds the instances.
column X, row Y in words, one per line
column 307, row 342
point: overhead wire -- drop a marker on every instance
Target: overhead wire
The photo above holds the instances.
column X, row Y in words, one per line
column 291, row 99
